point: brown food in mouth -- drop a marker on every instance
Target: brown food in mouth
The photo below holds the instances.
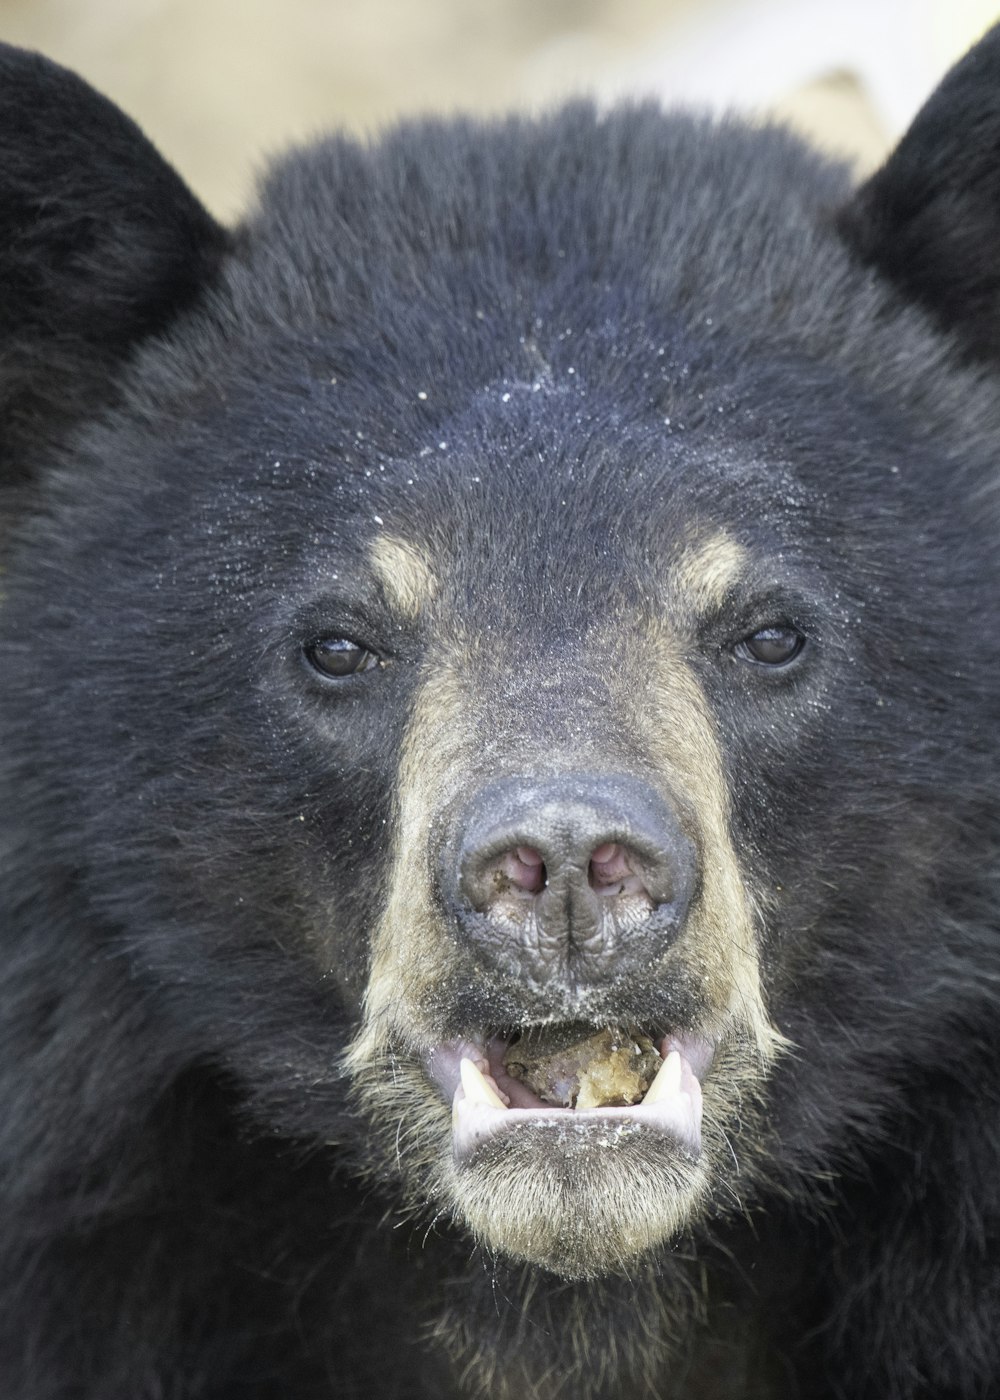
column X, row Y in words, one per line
column 609, row 1068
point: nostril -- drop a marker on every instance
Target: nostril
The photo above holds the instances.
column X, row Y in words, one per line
column 524, row 868
column 609, row 865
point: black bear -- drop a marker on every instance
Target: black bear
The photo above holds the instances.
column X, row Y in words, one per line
column 500, row 713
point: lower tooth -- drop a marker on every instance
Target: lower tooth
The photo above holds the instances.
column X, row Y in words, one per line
column 668, row 1080
column 476, row 1088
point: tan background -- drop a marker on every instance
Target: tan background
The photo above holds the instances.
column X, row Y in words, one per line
column 218, row 84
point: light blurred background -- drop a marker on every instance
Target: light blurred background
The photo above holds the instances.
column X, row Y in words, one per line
column 220, row 84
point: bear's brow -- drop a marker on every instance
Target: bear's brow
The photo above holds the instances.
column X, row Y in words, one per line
column 404, row 573
column 707, row 570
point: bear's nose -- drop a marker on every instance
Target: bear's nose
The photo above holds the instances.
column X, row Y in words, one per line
column 580, row 875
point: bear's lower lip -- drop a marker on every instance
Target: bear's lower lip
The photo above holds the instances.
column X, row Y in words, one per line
column 479, row 1113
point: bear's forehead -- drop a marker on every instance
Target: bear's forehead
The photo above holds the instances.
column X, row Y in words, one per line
column 517, row 494
column 525, row 482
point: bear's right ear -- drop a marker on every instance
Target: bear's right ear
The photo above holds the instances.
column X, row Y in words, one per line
column 929, row 220
column 101, row 244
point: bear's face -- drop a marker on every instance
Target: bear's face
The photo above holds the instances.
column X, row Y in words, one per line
column 501, row 721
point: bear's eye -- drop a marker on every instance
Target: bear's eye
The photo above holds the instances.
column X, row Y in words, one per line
column 339, row 656
column 771, row 646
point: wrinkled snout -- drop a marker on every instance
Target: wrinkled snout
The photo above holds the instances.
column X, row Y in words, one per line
column 581, row 876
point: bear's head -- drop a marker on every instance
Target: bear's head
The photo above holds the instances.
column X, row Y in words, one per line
column 497, row 668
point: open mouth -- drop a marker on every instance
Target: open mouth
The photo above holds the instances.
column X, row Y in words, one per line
column 575, row 1078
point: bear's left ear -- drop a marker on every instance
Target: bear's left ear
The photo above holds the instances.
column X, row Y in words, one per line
column 929, row 219
column 101, row 245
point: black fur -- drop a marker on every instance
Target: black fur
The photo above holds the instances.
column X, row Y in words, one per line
column 545, row 351
column 928, row 218
column 100, row 245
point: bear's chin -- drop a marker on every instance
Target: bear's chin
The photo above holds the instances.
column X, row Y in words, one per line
column 576, row 1196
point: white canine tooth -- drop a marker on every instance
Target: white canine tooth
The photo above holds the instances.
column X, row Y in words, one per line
column 476, row 1088
column 668, row 1080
